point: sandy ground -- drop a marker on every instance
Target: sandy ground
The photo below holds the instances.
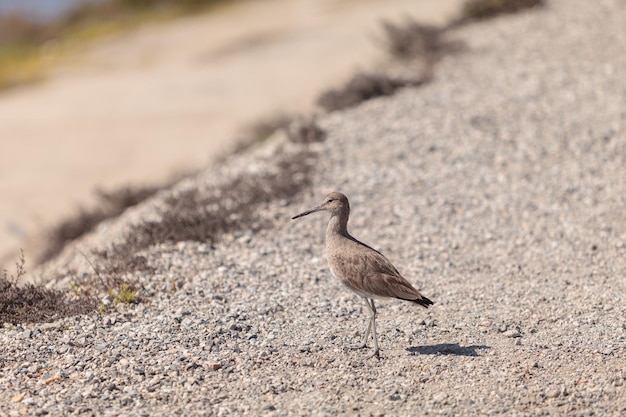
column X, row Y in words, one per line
column 169, row 98
column 497, row 190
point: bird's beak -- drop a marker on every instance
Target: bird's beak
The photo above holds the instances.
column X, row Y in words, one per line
column 313, row 210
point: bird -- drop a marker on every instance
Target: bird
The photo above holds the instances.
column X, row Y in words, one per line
column 364, row 270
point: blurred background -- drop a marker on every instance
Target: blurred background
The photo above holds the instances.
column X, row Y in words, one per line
column 101, row 94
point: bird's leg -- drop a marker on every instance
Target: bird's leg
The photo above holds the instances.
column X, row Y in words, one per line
column 373, row 327
column 367, row 331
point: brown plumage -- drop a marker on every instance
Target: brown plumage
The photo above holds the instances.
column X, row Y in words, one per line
column 362, row 269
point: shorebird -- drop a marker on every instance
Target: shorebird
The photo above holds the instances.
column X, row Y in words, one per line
column 361, row 268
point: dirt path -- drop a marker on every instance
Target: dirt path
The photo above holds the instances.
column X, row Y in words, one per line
column 162, row 99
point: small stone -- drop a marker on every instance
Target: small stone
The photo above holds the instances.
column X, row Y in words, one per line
column 214, row 366
column 61, row 374
column 440, row 397
column 52, row 379
column 17, row 398
column 106, row 300
column 395, row 397
column 512, row 333
column 607, row 351
column 485, row 323
column 552, row 392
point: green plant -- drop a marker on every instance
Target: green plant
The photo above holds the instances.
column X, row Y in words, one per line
column 118, row 289
column 74, row 288
column 124, row 294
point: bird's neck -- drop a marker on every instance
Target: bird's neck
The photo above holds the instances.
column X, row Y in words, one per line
column 337, row 226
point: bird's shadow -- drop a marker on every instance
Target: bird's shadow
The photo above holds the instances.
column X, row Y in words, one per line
column 447, row 349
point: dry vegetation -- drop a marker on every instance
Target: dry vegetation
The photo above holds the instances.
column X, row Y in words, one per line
column 415, row 43
column 420, row 46
column 201, row 216
column 30, row 303
column 411, row 40
column 111, row 204
column 360, row 88
column 485, row 9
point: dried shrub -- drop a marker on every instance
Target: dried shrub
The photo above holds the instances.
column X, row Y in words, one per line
column 485, row 9
column 305, row 130
column 360, row 88
column 31, row 303
column 111, row 204
column 412, row 40
column 20, row 271
column 204, row 215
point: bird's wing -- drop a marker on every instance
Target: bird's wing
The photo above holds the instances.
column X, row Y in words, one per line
column 383, row 279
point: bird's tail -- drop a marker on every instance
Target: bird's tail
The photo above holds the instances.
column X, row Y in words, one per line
column 423, row 301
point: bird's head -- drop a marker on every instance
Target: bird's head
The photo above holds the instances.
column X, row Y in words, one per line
column 336, row 203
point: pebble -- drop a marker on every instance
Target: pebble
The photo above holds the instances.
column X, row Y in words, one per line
column 512, row 333
column 552, row 392
column 440, row 397
column 214, row 365
column 17, row 398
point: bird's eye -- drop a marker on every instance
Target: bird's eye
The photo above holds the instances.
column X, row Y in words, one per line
column 330, row 200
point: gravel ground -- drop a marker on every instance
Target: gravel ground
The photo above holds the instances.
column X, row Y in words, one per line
column 498, row 190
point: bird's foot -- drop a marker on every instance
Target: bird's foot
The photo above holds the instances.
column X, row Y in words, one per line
column 376, row 354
